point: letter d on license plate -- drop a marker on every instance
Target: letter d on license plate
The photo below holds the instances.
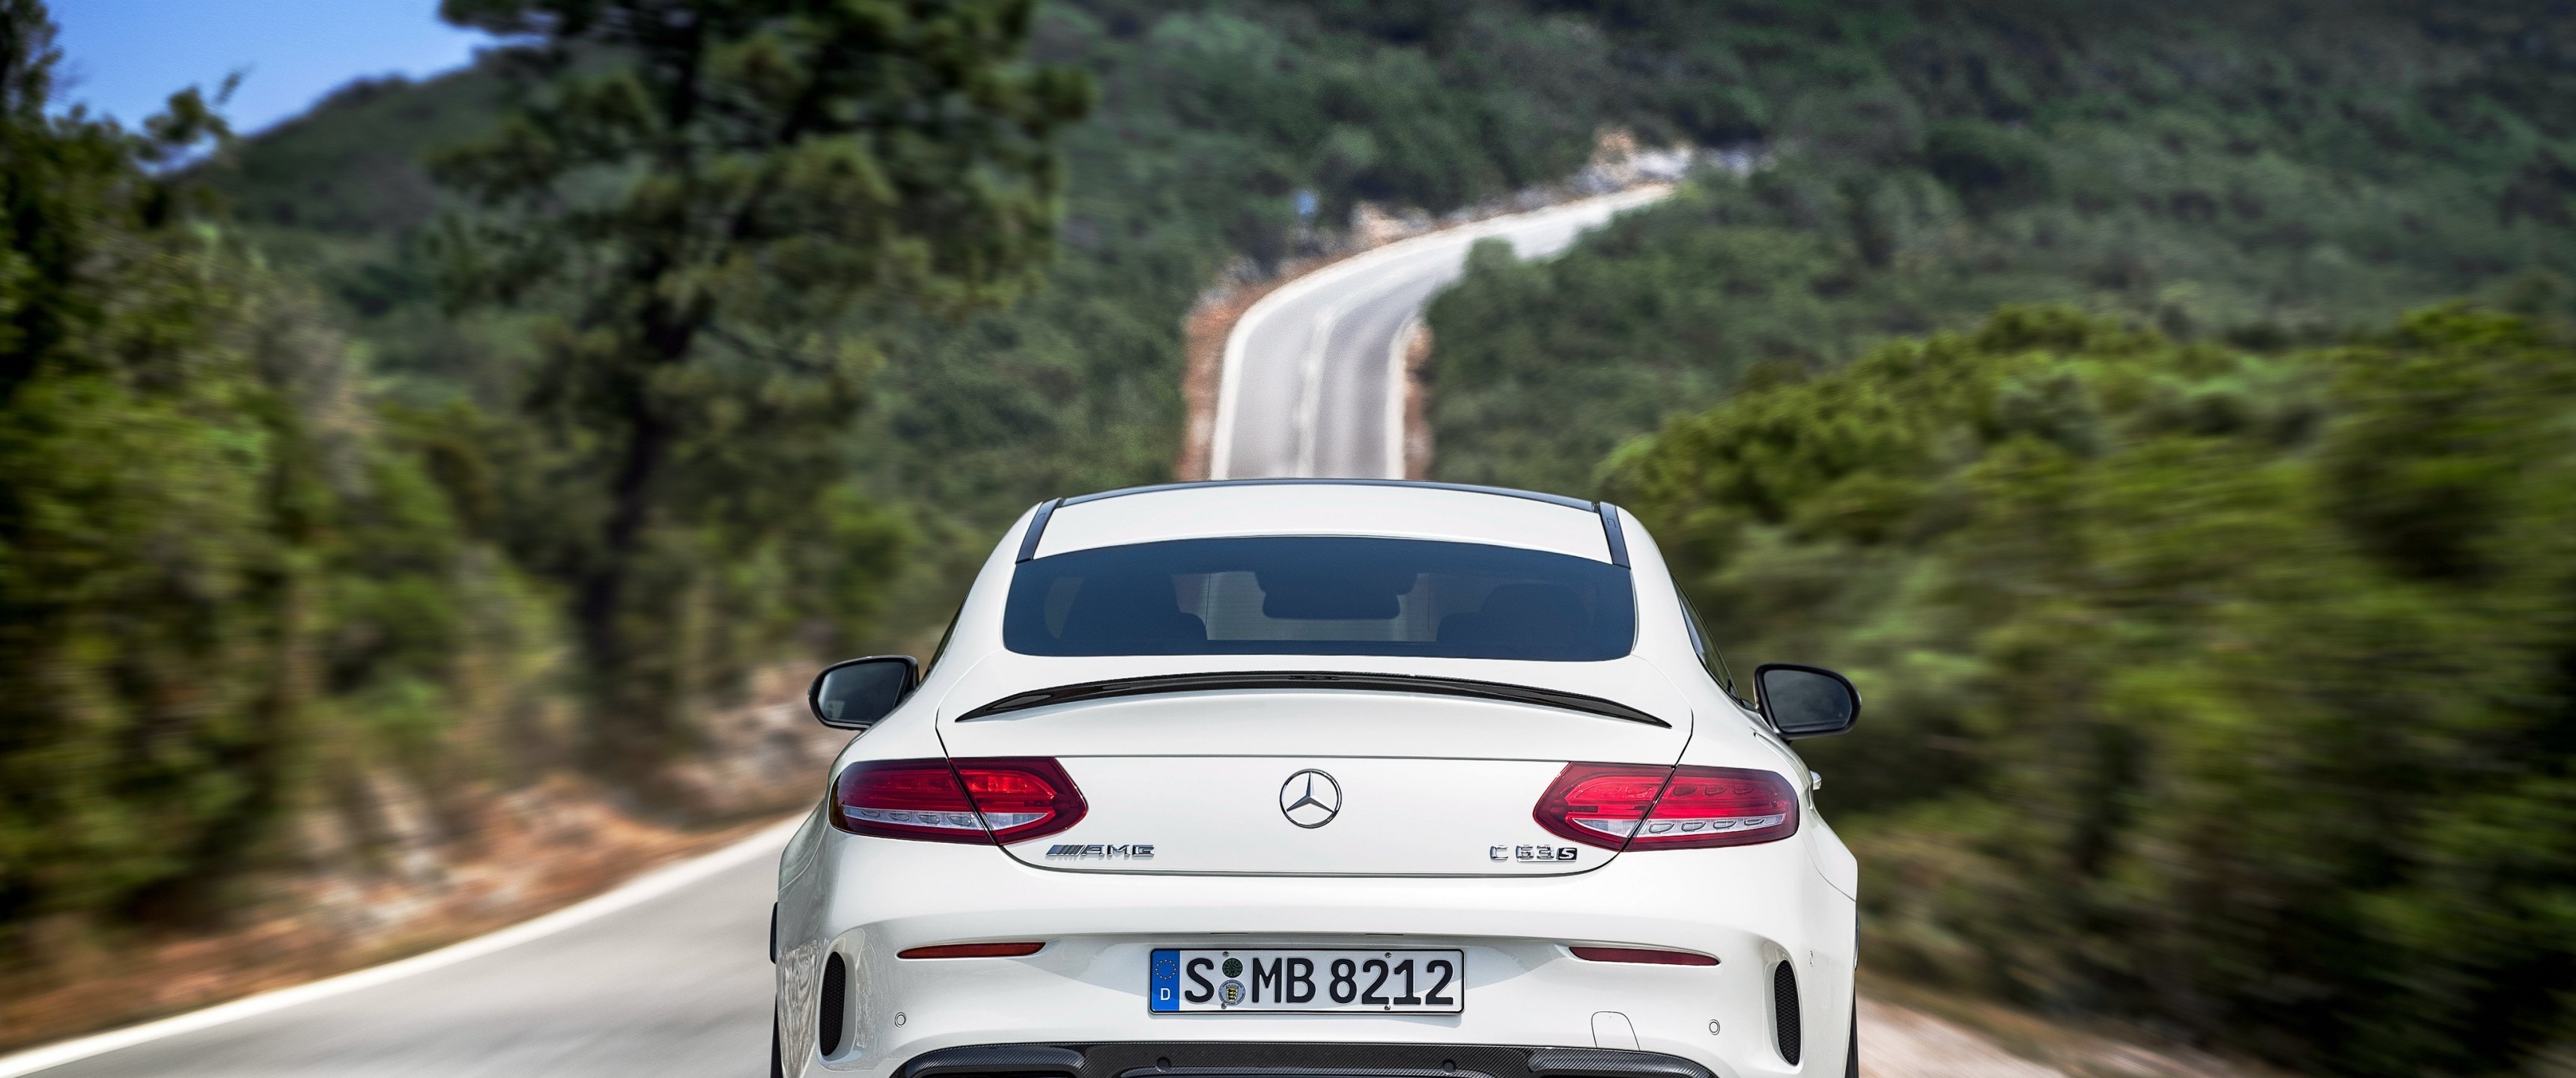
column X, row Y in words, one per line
column 1260, row 979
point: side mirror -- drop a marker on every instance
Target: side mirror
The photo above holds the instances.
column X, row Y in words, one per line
column 855, row 693
column 1806, row 701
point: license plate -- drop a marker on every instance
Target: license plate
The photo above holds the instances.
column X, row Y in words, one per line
column 1409, row 981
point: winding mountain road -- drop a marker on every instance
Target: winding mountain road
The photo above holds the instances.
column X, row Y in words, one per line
column 669, row 976
column 1314, row 376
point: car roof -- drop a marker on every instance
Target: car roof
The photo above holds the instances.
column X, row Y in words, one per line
column 1370, row 507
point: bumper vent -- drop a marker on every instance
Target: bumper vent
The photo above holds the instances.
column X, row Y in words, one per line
column 1784, row 1011
column 836, row 1003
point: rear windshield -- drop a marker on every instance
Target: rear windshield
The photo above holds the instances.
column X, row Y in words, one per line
column 1321, row 595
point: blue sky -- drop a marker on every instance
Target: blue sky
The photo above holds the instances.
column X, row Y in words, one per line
column 125, row 57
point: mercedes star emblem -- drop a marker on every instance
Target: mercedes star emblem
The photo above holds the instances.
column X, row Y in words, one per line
column 1310, row 799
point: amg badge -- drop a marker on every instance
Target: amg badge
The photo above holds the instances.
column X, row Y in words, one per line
column 1141, row 851
column 1530, row 853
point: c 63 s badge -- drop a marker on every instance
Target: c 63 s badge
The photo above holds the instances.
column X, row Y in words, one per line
column 1531, row 853
column 1069, row 851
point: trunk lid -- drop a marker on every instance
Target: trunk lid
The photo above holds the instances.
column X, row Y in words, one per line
column 1365, row 777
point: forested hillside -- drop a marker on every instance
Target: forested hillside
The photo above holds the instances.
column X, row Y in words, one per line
column 2258, row 172
column 2213, row 615
column 2225, row 688
column 232, row 593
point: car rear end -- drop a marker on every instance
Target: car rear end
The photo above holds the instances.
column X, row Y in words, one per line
column 1345, row 863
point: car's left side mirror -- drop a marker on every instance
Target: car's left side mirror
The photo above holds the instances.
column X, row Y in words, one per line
column 855, row 693
column 1806, row 701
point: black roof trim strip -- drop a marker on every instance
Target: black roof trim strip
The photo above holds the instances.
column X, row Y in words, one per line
column 1313, row 679
column 1037, row 527
column 1618, row 539
column 1469, row 488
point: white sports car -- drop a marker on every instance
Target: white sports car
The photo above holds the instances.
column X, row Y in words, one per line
column 1319, row 778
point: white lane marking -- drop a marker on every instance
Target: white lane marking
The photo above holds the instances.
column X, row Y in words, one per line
column 1398, row 388
column 1310, row 384
column 644, row 888
column 1230, row 374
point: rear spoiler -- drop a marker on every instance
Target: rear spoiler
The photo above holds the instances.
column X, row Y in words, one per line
column 1610, row 532
column 1311, row 680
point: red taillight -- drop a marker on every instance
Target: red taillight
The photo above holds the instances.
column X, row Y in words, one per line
column 972, row 950
column 980, row 801
column 1640, row 955
column 1720, row 806
column 905, row 799
column 1632, row 806
column 1601, row 804
column 1022, row 798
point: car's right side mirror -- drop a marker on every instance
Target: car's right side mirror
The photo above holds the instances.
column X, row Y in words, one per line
column 854, row 693
column 1806, row 701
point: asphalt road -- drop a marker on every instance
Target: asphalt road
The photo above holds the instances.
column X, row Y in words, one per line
column 1312, row 383
column 675, row 984
column 678, row 983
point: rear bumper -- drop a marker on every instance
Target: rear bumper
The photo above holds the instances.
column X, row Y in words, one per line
column 1754, row 907
column 1205, row 1059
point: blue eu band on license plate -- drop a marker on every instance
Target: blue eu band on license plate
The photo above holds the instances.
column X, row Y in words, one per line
column 1235, row 980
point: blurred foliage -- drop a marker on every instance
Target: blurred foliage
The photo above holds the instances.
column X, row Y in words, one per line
column 228, row 590
column 704, row 203
column 2217, row 655
column 1207, row 117
column 2216, row 636
column 253, row 566
column 2229, row 689
column 2256, row 171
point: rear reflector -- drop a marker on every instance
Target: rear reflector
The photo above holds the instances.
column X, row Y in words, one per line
column 972, row 950
column 976, row 800
column 1643, row 956
column 1633, row 806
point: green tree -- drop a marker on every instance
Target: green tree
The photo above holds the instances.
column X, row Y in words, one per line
column 140, row 693
column 215, row 574
column 723, row 195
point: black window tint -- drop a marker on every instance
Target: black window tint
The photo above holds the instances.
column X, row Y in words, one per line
column 1321, row 595
column 1709, row 659
column 945, row 635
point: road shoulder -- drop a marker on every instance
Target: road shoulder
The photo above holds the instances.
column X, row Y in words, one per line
column 660, row 876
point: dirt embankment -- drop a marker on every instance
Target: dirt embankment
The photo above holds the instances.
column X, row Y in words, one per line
column 1417, row 400
column 527, row 852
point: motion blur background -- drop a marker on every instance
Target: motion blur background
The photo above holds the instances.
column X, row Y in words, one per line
column 421, row 507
